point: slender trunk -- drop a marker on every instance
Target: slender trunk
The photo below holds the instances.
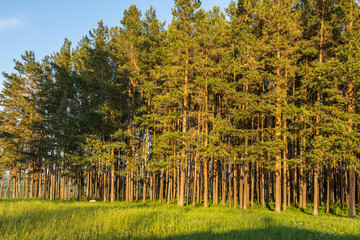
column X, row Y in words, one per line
column 328, row 189
column 277, row 115
column 8, row 185
column 27, row 182
column 51, row 186
column 262, row 164
column 78, row 198
column 14, row 185
column 352, row 203
column 241, row 187
column 71, row 189
column 104, row 186
column 206, row 180
column 246, row 186
column 321, row 43
column 206, row 161
column 169, row 186
column 316, row 190
column 112, row 194
column 252, row 184
column 195, row 178
column 88, row 186
column 184, row 130
column 45, row 183
column 32, row 184
column 230, row 180
column 39, row 183
column 285, row 172
column 235, row 179
column 351, row 108
column 278, row 162
column 177, row 183
column 145, row 164
column 118, row 179
column 342, row 186
column 24, row 189
column 2, row 184
column 223, row 189
column 19, row 185
column 161, row 192
column 262, row 185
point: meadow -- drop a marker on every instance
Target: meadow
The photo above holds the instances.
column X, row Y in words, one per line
column 43, row 219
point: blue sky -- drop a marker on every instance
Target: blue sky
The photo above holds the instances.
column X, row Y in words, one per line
column 41, row 26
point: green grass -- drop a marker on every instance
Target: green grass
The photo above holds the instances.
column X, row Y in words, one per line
column 43, row 219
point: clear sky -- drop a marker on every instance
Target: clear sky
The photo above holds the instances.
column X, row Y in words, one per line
column 42, row 25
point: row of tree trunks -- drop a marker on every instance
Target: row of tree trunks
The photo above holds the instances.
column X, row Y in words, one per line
column 241, row 184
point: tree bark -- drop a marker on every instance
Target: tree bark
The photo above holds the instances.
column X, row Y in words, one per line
column 352, row 203
column 316, row 190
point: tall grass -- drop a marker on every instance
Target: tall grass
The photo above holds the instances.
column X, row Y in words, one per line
column 42, row 219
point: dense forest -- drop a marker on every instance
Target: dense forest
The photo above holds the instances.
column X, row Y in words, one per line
column 256, row 103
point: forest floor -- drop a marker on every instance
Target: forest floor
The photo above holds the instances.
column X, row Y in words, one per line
column 43, row 219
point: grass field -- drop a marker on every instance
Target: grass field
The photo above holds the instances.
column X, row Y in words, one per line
column 42, row 219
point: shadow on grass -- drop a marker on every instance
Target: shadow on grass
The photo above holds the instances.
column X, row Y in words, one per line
column 268, row 233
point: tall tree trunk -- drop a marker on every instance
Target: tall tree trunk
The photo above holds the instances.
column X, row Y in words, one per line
column 278, row 166
column 328, row 190
column 145, row 164
column 14, row 184
column 241, row 187
column 321, row 55
column 223, row 188
column 51, row 185
column 262, row 184
column 104, row 186
column 206, row 180
column 352, row 203
column 351, row 108
column 235, row 178
column 342, row 185
column 184, row 130
column 39, row 183
column 88, row 186
column 230, row 180
column 161, row 192
column 252, row 184
column 78, row 198
column 285, row 171
column 2, row 184
column 246, row 186
column 195, row 177
column 45, row 183
column 8, row 185
column 112, row 193
column 316, row 190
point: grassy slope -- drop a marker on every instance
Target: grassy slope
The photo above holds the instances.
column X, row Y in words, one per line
column 39, row 219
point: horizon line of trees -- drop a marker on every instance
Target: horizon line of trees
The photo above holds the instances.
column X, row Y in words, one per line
column 260, row 106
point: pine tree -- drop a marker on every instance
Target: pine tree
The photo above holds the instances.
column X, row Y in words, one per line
column 181, row 46
column 347, row 58
column 21, row 121
column 279, row 34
